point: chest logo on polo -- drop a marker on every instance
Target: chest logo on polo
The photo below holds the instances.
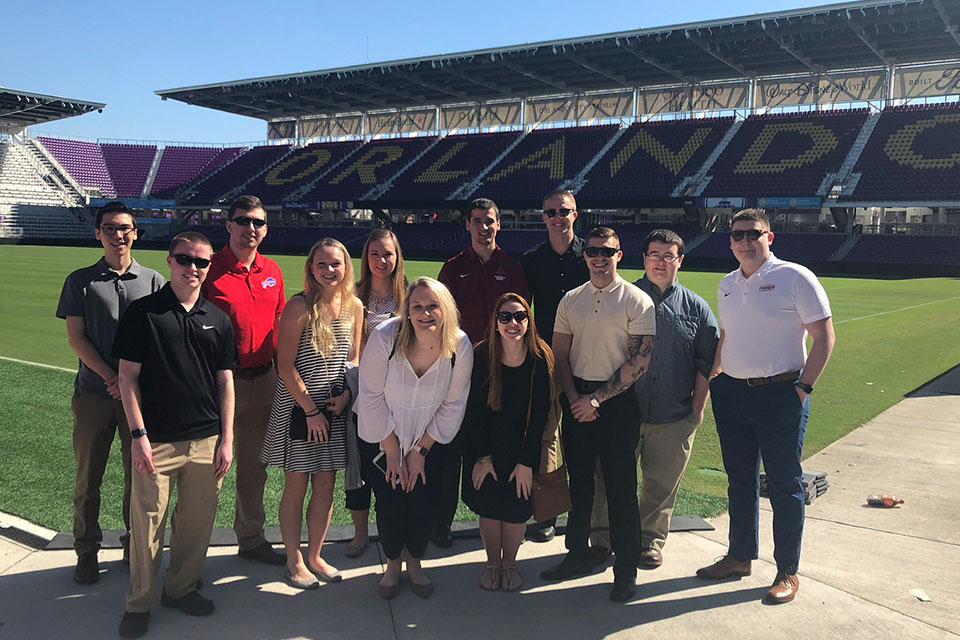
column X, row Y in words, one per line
column 269, row 282
column 500, row 276
column 207, row 326
column 767, row 287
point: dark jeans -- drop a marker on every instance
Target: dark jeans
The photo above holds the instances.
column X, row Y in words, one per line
column 359, row 499
column 612, row 438
column 404, row 519
column 765, row 422
column 445, row 495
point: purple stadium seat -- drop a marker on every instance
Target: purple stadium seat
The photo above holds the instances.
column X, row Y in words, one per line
column 795, row 247
column 905, row 249
column 128, row 165
column 209, row 190
column 297, row 169
column 83, row 161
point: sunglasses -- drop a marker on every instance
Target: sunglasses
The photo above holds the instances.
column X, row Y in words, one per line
column 504, row 317
column 606, row 252
column 563, row 212
column 750, row 234
column 184, row 260
column 245, row 221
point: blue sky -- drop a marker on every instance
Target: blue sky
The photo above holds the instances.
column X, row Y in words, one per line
column 121, row 52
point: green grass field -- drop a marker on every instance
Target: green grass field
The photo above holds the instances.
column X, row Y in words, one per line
column 892, row 336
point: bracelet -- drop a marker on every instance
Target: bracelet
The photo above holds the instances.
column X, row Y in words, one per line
column 315, row 412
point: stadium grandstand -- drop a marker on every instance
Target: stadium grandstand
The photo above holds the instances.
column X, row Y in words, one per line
column 842, row 121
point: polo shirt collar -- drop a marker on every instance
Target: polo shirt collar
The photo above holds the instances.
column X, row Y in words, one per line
column 171, row 299
column 762, row 271
column 106, row 269
column 233, row 262
column 617, row 282
column 650, row 288
column 475, row 257
column 575, row 248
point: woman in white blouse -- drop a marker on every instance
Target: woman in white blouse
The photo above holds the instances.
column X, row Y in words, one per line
column 414, row 382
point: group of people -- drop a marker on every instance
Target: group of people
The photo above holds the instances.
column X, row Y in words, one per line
column 427, row 390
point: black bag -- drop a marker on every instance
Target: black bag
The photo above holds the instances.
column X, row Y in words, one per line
column 298, row 422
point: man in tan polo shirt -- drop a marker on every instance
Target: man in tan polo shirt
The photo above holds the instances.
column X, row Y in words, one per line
column 602, row 340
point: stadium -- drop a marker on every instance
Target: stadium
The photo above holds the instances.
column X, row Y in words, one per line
column 841, row 121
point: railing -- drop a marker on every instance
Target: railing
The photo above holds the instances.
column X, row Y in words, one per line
column 911, row 228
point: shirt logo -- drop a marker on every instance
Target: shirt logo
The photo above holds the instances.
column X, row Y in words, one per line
column 269, row 282
column 500, row 276
column 464, row 275
column 727, row 293
column 768, row 287
column 207, row 326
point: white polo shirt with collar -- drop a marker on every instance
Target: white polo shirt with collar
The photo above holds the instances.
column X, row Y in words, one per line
column 600, row 321
column 762, row 318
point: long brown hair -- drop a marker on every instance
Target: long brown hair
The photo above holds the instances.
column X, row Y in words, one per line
column 319, row 314
column 398, row 278
column 536, row 347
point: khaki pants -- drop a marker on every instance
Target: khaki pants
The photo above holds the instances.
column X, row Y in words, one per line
column 188, row 465
column 253, row 399
column 95, row 420
column 548, row 448
column 663, row 451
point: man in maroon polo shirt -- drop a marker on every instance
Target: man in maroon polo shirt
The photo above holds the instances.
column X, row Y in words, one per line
column 249, row 287
column 476, row 277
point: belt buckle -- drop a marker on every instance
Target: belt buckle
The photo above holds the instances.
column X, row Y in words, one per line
column 756, row 382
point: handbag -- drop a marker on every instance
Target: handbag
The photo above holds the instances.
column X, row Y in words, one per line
column 550, row 493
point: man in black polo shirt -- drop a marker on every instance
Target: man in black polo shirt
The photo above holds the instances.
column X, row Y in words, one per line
column 553, row 268
column 176, row 353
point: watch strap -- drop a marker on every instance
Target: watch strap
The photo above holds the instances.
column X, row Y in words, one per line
column 803, row 386
column 137, row 433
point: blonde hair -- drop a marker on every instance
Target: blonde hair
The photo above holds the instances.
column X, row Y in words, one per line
column 534, row 344
column 397, row 278
column 406, row 338
column 319, row 314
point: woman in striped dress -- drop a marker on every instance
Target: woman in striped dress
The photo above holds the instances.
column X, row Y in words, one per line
column 306, row 435
column 380, row 289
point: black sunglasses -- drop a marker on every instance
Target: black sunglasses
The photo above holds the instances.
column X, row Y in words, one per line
column 750, row 234
column 184, row 260
column 563, row 212
column 593, row 252
column 504, row 317
column 245, row 221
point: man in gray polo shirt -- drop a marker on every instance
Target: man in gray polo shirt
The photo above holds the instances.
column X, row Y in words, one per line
column 673, row 392
column 92, row 301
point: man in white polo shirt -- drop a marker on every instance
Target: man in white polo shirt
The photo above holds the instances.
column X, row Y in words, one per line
column 760, row 394
column 602, row 340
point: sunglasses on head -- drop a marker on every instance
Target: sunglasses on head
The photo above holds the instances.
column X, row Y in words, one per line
column 749, row 234
column 246, row 221
column 504, row 317
column 184, row 260
column 593, row 252
column 563, row 212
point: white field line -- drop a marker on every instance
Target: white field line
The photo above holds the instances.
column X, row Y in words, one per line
column 38, row 364
column 883, row 313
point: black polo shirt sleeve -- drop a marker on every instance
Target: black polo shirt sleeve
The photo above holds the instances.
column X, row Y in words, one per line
column 228, row 348
column 132, row 339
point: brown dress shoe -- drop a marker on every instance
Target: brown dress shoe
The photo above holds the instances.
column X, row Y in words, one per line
column 784, row 588
column 651, row 558
column 725, row 567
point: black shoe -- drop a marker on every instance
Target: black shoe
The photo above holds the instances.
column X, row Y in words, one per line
column 623, row 590
column 264, row 553
column 133, row 624
column 599, row 555
column 568, row 568
column 192, row 604
column 542, row 534
column 442, row 537
column 87, row 570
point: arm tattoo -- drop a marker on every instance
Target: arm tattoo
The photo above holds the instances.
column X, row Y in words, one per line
column 639, row 348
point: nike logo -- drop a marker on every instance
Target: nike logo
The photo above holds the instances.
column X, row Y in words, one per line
column 726, row 294
column 464, row 275
column 207, row 326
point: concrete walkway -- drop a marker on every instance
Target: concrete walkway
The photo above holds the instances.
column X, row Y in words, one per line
column 858, row 567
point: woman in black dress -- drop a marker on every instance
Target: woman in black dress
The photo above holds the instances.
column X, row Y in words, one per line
column 507, row 410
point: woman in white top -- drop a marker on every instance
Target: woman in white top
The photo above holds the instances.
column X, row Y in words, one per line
column 414, row 383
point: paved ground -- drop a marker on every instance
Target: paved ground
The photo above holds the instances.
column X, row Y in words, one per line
column 858, row 567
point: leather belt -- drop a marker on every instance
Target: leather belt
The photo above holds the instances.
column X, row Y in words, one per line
column 789, row 376
column 252, row 372
column 587, row 386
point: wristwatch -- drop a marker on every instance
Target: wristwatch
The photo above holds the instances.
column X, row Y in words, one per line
column 422, row 450
column 803, row 386
column 137, row 433
column 594, row 402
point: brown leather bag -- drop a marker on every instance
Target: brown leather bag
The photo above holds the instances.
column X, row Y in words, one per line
column 550, row 495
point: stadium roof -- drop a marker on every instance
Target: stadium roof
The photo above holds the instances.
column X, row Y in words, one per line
column 19, row 109
column 870, row 33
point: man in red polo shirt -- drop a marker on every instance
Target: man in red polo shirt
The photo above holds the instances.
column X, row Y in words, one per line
column 476, row 277
column 249, row 287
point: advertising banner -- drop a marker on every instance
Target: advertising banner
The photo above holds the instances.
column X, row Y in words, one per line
column 776, row 92
column 706, row 97
column 408, row 121
column 935, row 80
column 788, row 203
column 551, row 110
column 281, row 130
column 480, row 115
column 605, row 105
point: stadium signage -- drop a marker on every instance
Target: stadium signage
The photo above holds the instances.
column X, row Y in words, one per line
column 409, row 121
column 734, row 95
column 345, row 125
column 136, row 203
column 480, row 115
column 775, row 92
column 605, row 105
column 789, row 203
column 281, row 130
column 935, row 80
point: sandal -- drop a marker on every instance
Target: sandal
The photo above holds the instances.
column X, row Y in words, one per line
column 490, row 578
column 511, row 579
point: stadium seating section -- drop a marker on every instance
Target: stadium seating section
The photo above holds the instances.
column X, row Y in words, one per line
column 83, row 160
column 454, row 161
column 904, row 249
column 784, row 154
column 301, row 167
column 543, row 160
column 912, row 155
column 651, row 158
column 128, row 165
column 234, row 174
column 179, row 165
column 795, row 247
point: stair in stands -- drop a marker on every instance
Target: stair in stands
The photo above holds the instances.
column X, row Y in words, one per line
column 469, row 187
column 383, row 187
column 152, row 173
column 700, row 180
column 580, row 179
